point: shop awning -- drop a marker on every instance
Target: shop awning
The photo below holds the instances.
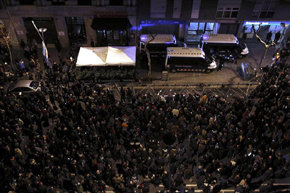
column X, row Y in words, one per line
column 110, row 23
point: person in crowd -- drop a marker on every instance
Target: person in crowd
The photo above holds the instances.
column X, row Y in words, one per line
column 269, row 37
column 221, row 63
column 277, row 37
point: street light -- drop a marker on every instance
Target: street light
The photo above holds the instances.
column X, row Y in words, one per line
column 42, row 30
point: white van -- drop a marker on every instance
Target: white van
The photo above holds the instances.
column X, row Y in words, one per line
column 157, row 43
column 216, row 44
column 188, row 59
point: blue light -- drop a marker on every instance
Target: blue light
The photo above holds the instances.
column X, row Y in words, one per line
column 143, row 38
column 147, row 23
column 266, row 22
column 205, row 37
column 134, row 28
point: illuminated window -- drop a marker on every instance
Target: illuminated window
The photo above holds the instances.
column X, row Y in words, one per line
column 198, row 28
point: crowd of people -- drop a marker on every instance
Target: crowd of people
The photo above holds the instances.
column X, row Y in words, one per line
column 99, row 74
column 77, row 137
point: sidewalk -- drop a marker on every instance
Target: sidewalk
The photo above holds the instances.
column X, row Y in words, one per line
column 257, row 50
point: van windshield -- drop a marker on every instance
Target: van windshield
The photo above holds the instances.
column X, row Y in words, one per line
column 34, row 84
column 242, row 45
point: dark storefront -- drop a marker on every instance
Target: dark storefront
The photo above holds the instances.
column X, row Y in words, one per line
column 112, row 31
column 229, row 28
column 76, row 30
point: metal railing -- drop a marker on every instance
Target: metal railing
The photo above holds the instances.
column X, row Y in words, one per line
column 226, row 91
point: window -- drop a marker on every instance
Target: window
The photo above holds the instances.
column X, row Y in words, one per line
column 116, row 2
column 34, row 84
column 209, row 26
column 264, row 9
column 227, row 12
column 198, row 28
column 201, row 26
column 84, row 2
column 26, row 2
column 234, row 14
column 193, row 26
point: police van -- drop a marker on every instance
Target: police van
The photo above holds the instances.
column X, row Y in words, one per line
column 157, row 43
column 223, row 45
column 188, row 59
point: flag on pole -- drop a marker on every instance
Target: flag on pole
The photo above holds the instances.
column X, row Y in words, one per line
column 44, row 49
column 44, row 52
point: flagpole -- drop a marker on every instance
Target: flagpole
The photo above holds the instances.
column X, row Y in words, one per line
column 44, row 49
column 37, row 30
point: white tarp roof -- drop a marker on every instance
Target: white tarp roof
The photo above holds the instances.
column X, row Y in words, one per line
column 184, row 52
column 222, row 38
column 107, row 56
column 158, row 38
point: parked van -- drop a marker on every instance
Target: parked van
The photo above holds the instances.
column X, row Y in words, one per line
column 223, row 45
column 157, row 43
column 188, row 59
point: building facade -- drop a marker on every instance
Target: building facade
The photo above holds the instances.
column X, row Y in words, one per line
column 87, row 22
column 121, row 22
column 189, row 19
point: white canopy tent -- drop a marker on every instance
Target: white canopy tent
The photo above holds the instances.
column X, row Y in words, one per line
column 107, row 56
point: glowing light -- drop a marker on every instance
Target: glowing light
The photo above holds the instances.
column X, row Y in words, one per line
column 257, row 23
column 143, row 38
column 266, row 22
column 205, row 37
